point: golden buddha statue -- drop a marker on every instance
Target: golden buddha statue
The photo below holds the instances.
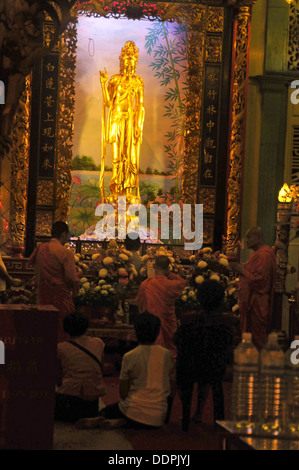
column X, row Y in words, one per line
column 124, row 97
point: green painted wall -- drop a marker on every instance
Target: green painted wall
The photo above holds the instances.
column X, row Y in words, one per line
column 266, row 116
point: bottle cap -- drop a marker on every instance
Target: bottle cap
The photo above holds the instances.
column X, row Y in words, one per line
column 247, row 336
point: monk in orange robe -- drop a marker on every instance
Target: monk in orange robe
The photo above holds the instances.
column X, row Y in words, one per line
column 57, row 279
column 256, row 288
column 157, row 296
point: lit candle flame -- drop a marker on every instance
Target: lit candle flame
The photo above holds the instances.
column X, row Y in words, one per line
column 284, row 194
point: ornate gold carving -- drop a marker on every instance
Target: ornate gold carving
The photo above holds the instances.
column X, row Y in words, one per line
column 207, row 197
column 134, row 9
column 208, row 231
column 293, row 45
column 194, row 105
column 19, row 157
column 63, row 175
column 215, row 20
column 237, row 132
column 43, row 223
column 45, row 193
column 21, row 25
column 214, row 49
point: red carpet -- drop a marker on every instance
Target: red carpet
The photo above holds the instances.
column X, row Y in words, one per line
column 171, row 436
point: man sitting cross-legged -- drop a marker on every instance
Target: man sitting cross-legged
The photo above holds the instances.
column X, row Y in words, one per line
column 147, row 380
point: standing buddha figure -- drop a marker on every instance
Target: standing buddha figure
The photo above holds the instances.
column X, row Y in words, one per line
column 123, row 96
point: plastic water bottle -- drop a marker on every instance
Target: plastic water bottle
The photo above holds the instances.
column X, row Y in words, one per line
column 292, row 386
column 272, row 387
column 245, row 384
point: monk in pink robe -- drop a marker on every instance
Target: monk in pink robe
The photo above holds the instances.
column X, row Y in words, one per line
column 57, row 279
column 157, row 296
column 256, row 288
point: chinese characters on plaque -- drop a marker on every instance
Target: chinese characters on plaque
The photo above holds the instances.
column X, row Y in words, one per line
column 48, row 115
column 210, row 126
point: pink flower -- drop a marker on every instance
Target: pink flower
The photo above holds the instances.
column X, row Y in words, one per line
column 76, row 180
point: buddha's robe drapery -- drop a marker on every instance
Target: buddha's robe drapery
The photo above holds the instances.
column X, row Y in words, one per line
column 256, row 291
column 157, row 296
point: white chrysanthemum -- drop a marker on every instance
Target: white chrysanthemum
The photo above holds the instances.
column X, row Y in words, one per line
column 86, row 285
column 223, row 261
column 191, row 293
column 144, row 258
column 97, row 289
column 101, row 281
column 215, row 277
column 104, row 286
column 123, row 257
column 104, row 292
column 199, row 279
column 108, row 260
column 77, row 258
column 192, row 258
column 81, row 291
column 184, row 298
column 202, row 264
column 207, row 250
column 103, row 272
column 83, row 280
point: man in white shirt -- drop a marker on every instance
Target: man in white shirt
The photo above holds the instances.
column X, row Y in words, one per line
column 147, row 380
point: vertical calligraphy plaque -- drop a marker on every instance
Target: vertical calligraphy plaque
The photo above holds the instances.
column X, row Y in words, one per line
column 43, row 147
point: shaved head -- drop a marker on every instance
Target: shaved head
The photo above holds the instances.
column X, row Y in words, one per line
column 254, row 238
column 256, row 231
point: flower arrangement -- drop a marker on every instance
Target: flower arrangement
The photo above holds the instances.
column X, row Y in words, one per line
column 188, row 299
column 116, row 267
column 209, row 265
column 98, row 293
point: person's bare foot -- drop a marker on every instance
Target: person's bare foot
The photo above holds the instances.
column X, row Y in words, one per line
column 89, row 423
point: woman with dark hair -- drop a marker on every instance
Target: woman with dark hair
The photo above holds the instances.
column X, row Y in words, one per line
column 80, row 372
column 203, row 345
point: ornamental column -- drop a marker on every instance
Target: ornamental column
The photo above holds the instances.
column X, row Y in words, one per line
column 237, row 125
